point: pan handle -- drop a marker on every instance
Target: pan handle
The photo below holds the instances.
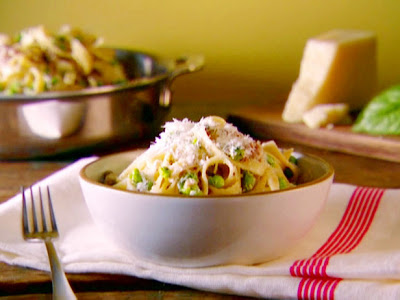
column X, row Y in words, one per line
column 179, row 66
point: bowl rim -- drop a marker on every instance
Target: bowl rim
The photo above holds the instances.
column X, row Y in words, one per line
column 327, row 176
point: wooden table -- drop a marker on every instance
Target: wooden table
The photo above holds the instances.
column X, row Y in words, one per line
column 22, row 283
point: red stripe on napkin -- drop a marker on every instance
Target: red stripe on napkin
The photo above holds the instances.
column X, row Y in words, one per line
column 353, row 226
column 317, row 288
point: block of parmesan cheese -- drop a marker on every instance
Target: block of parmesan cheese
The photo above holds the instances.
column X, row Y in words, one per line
column 339, row 66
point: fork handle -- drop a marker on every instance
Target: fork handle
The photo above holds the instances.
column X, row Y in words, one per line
column 61, row 287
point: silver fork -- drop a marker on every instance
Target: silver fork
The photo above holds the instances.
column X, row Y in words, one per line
column 41, row 226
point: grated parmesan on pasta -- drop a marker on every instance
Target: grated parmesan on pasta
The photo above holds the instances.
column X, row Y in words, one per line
column 208, row 157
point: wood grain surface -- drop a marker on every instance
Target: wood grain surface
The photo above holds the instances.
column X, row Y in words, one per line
column 267, row 122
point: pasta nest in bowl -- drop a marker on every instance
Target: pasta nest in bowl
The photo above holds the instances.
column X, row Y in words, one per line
column 209, row 157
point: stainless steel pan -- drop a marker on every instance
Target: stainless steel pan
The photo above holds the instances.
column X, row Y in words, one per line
column 57, row 123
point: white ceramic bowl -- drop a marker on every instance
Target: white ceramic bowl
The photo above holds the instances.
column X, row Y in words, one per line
column 208, row 230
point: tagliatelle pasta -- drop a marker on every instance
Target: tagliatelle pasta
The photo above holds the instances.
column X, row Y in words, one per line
column 37, row 61
column 209, row 157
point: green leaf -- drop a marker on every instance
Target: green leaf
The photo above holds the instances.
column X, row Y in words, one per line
column 381, row 116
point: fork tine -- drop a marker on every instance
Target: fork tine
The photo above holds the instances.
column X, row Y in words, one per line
column 25, row 220
column 34, row 217
column 53, row 222
column 44, row 222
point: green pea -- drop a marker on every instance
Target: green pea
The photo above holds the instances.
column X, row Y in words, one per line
column 149, row 185
column 282, row 183
column 217, row 181
column 238, row 154
column 293, row 160
column 270, row 160
column 165, row 172
column 15, row 88
column 288, row 172
column 135, row 176
column 61, row 42
column 190, row 188
column 248, row 181
column 116, row 82
column 18, row 37
column 54, row 80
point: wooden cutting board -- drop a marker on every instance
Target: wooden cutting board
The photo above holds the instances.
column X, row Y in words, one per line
column 267, row 123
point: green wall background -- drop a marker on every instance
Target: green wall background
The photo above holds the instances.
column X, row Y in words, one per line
column 252, row 48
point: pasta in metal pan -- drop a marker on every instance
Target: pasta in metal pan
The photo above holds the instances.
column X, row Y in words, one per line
column 37, row 61
column 209, row 157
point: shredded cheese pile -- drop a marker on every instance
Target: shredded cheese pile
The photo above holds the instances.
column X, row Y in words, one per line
column 209, row 157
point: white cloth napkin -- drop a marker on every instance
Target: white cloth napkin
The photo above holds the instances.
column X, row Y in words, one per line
column 352, row 252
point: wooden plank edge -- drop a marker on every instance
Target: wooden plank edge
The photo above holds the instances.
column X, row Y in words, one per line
column 340, row 141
